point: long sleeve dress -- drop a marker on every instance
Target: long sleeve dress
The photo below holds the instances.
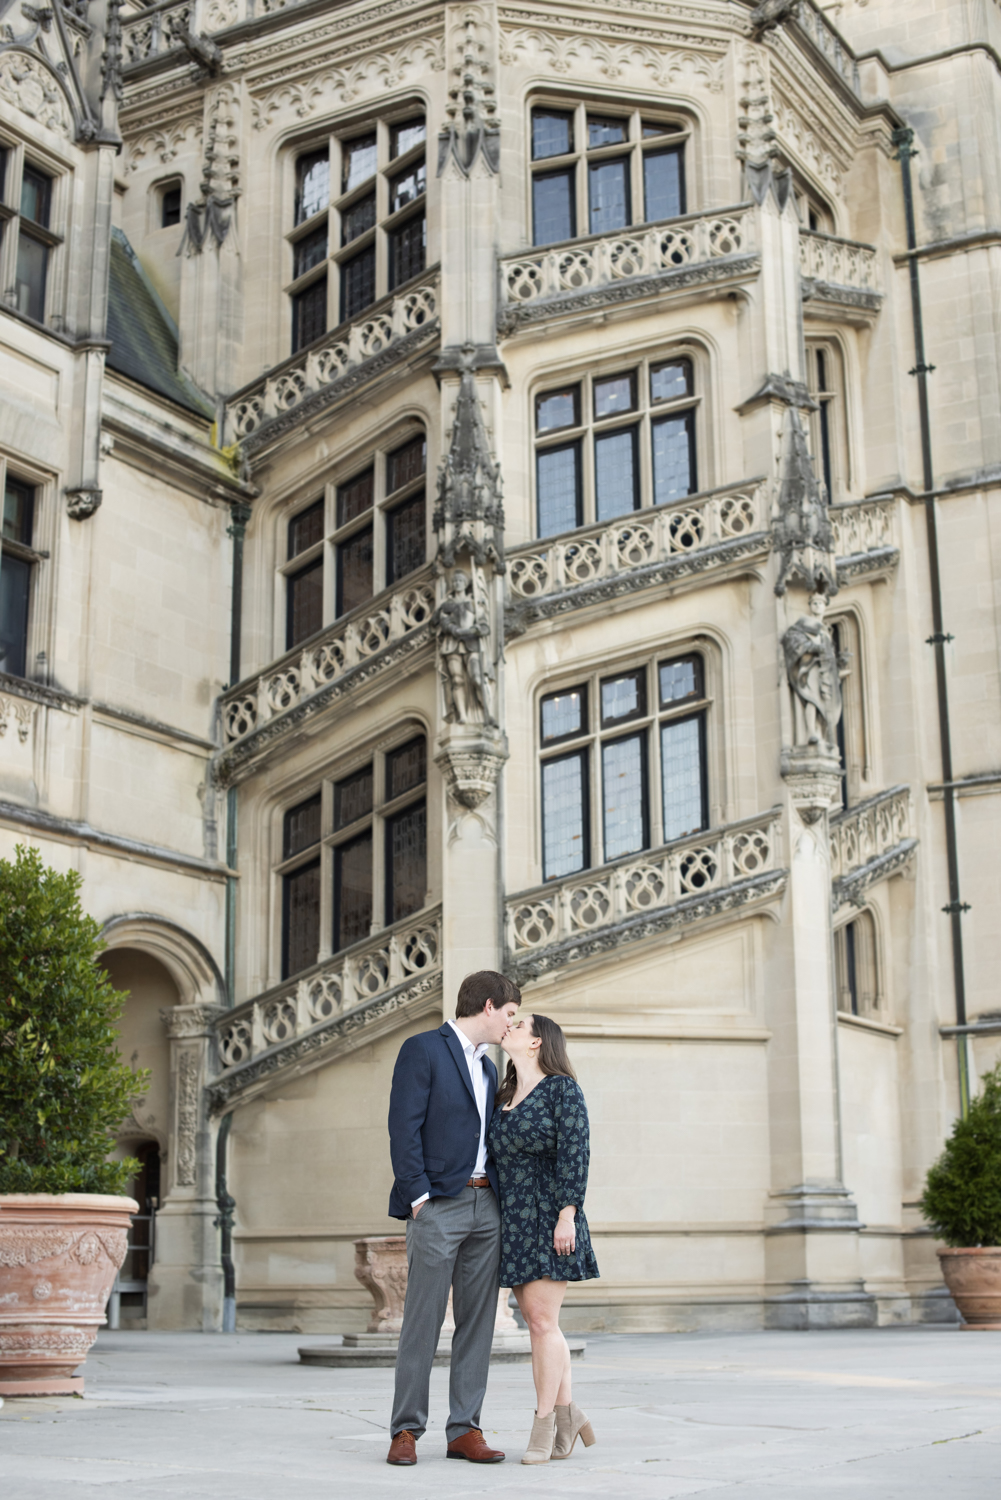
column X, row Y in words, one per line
column 541, row 1149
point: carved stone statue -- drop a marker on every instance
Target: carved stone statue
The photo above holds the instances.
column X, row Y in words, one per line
column 814, row 673
column 466, row 671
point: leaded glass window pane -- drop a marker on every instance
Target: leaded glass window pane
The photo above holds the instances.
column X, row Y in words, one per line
column 301, row 918
column 668, row 382
column 406, row 538
column 36, row 196
column 354, row 571
column 355, row 497
column 309, row 252
column 553, row 214
column 673, row 457
column 623, row 790
column 18, row 511
column 301, row 826
column 305, row 604
column 357, row 283
column 170, row 208
column 406, row 767
column 564, row 715
column 352, row 891
column 552, row 133
column 309, row 314
column 557, row 409
column 30, row 276
column 357, row 219
column 616, row 475
column 408, row 187
column 406, row 463
column 15, row 590
column 614, row 394
column 680, row 679
column 312, row 184
column 406, row 862
column 406, row 251
column 623, row 698
column 352, row 797
column 564, row 815
column 663, row 184
column 609, row 189
column 305, row 529
column 683, row 776
column 359, row 158
column 603, row 132
column 558, row 489
column 403, row 137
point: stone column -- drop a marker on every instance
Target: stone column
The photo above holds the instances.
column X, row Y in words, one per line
column 812, row 1251
column 186, row 1282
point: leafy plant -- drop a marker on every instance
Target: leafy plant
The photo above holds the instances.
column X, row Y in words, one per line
column 63, row 1088
column 962, row 1196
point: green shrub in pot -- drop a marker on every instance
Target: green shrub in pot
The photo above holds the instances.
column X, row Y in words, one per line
column 64, row 1090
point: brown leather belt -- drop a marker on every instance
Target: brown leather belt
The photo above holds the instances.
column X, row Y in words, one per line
column 478, row 1182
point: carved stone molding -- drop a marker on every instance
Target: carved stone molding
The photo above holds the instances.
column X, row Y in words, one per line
column 28, row 84
column 684, row 913
column 814, row 781
column 343, row 83
column 851, row 888
column 186, row 1154
column 22, row 710
column 162, row 141
column 881, row 560
column 186, row 1021
column 471, row 771
column 570, row 49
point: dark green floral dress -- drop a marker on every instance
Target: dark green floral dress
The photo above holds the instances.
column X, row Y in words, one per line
column 541, row 1149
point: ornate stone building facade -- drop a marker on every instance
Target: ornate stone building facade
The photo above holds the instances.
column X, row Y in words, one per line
column 517, row 485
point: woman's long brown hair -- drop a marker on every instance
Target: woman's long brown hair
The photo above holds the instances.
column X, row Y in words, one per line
column 553, row 1057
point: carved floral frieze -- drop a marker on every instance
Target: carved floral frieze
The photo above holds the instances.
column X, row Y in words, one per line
column 290, row 93
column 568, row 50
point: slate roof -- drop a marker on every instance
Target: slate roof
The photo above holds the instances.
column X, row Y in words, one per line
column 143, row 334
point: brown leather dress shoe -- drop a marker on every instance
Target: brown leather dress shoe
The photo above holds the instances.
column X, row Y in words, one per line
column 471, row 1445
column 403, row 1449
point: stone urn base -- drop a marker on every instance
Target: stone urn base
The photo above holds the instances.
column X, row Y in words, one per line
column 974, row 1279
column 59, row 1255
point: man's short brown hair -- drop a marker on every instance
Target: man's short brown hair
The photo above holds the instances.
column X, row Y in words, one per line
column 476, row 989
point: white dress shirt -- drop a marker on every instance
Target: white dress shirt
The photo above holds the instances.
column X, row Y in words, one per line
column 478, row 1078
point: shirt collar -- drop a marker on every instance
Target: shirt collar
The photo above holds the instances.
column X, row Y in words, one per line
column 476, row 1051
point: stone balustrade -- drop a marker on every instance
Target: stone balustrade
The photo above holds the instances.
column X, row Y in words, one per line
column 863, row 526
column 356, row 638
column 638, row 540
column 809, row 16
column 152, row 29
column 601, row 260
column 641, row 885
column 861, row 836
column 825, row 257
column 347, row 348
column 347, row 982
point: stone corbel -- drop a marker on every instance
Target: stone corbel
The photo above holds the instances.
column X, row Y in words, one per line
column 472, row 765
column 82, row 501
column 814, row 781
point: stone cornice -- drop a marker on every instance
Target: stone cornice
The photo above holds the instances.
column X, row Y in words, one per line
column 851, row 887
column 72, row 831
column 876, row 564
column 248, row 755
column 682, row 565
column 40, row 692
column 702, row 273
column 684, row 913
column 856, row 301
column 318, row 1047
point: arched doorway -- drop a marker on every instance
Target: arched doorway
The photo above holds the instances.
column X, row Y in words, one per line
column 142, row 1043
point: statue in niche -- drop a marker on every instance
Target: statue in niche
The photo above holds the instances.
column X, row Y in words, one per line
column 466, row 671
column 814, row 669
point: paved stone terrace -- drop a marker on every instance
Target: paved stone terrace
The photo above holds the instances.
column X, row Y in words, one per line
column 894, row 1414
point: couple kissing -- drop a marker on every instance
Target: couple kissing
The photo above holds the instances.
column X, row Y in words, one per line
column 491, row 1182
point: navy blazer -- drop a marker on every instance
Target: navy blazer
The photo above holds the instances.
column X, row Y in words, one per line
column 434, row 1125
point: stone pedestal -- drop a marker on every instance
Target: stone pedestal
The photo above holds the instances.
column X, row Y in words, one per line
column 381, row 1266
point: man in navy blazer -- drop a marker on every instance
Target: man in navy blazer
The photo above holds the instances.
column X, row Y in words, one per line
column 446, row 1189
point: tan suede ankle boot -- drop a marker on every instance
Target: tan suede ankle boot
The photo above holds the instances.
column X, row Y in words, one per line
column 540, row 1444
column 571, row 1423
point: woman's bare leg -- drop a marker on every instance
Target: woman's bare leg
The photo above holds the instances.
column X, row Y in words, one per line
column 540, row 1303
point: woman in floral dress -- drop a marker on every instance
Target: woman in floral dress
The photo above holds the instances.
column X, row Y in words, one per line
column 539, row 1141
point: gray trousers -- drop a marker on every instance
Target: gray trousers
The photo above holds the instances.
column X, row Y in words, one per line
column 453, row 1242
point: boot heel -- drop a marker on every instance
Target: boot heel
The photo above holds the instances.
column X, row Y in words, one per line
column 587, row 1436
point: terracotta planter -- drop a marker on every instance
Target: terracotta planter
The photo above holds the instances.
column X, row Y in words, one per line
column 974, row 1279
column 59, row 1255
